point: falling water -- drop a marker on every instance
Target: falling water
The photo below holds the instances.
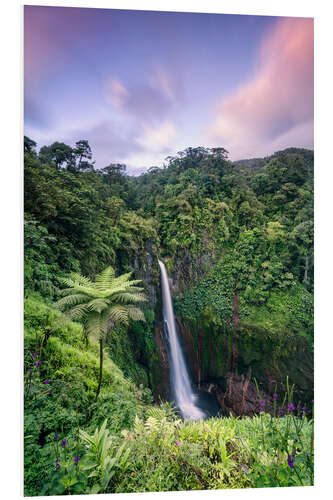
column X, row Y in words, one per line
column 184, row 396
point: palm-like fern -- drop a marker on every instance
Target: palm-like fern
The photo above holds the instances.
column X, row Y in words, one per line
column 100, row 304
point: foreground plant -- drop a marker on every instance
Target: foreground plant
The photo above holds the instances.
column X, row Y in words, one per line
column 291, row 439
column 101, row 304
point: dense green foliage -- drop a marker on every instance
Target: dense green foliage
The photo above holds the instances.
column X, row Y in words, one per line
column 139, row 447
column 237, row 240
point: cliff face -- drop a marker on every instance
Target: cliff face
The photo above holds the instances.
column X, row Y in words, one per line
column 146, row 268
column 185, row 269
column 208, row 350
column 208, row 346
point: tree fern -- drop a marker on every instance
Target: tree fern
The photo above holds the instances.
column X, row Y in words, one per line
column 101, row 304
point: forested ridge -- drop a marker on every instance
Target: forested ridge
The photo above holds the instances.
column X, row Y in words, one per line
column 237, row 240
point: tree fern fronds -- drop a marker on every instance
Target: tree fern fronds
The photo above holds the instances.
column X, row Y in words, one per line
column 67, row 281
column 129, row 298
column 123, row 277
column 135, row 313
column 133, row 289
column 93, row 326
column 81, row 280
column 118, row 314
column 91, row 291
column 71, row 300
column 97, row 305
column 78, row 312
column 67, row 291
column 125, row 281
column 105, row 278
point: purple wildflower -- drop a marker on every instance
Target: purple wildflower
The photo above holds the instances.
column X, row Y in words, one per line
column 76, row 460
column 35, row 355
column 280, row 412
column 290, row 461
column 304, row 409
column 38, row 363
column 299, row 407
column 57, row 464
column 245, row 469
column 262, row 403
column 291, row 407
column 261, row 410
column 46, row 381
column 63, row 443
column 55, row 437
column 274, row 395
column 178, row 443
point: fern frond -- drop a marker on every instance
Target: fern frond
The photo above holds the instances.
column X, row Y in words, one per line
column 67, row 291
column 157, row 413
column 105, row 279
column 71, row 300
column 122, row 278
column 129, row 298
column 118, row 314
column 134, row 289
column 135, row 314
column 92, row 326
column 81, row 280
column 91, row 291
column 67, row 281
column 78, row 312
column 97, row 305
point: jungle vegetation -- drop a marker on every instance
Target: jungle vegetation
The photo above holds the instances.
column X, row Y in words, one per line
column 237, row 239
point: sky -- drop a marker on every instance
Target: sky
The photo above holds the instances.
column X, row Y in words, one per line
column 143, row 85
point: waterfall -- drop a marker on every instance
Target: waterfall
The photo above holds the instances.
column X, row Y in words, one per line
column 185, row 398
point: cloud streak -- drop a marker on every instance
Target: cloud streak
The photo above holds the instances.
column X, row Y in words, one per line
column 158, row 139
column 276, row 101
column 149, row 101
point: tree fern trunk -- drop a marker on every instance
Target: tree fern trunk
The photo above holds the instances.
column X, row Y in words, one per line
column 100, row 367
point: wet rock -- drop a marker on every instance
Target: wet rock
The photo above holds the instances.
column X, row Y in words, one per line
column 160, row 368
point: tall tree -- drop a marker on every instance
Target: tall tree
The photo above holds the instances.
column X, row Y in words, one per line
column 29, row 144
column 83, row 156
column 58, row 153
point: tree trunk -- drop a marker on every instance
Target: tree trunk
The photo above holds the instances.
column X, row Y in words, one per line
column 100, row 368
column 306, row 268
column 235, row 302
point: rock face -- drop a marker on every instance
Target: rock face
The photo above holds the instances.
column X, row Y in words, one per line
column 240, row 396
column 160, row 368
column 208, row 352
column 235, row 394
column 187, row 269
column 146, row 269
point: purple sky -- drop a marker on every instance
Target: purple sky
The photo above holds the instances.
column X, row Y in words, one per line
column 140, row 85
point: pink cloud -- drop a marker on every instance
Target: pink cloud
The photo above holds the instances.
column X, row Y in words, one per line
column 116, row 93
column 163, row 82
column 278, row 99
column 39, row 49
